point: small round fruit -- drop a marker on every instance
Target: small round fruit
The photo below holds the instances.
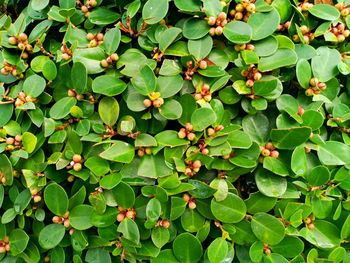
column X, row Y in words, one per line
column 84, row 9
column 197, row 164
column 275, row 154
column 249, row 83
column 114, row 57
column 186, row 198
column 130, row 214
column 203, row 64
column 192, row 205
column 90, row 36
column 21, row 46
column 77, row 167
column 210, row 132
column 71, row 93
column 191, row 136
column 18, row 138
column 37, row 198
column 311, row 226
column 181, row 134
column 10, row 140
column 212, row 31
column 239, row 7
column 120, row 217
column 165, row 223
column 205, row 151
column 23, row 37
column 265, row 152
column 219, row 30
column 309, row 92
column 148, row 151
column 188, row 126
column 222, row 16
column 211, row 21
column 188, row 171
column 65, row 56
column 66, row 223
column 77, row 158
column 2, row 249
column 99, row 36
column 250, row 8
column 12, row 40
column 257, row 76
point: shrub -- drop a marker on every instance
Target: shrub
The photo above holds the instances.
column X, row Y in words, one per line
column 174, row 131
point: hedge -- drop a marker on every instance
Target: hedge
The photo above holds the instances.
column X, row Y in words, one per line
column 174, row 131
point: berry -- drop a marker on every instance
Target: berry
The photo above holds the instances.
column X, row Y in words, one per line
column 77, row 167
column 313, row 82
column 99, row 36
column 71, row 93
column 181, row 134
column 66, row 223
column 77, row 158
column 188, row 172
column 186, row 198
column 219, row 30
column 311, row 226
column 249, row 83
column 250, row 8
column 18, row 138
column 37, row 198
column 130, row 214
column 309, row 92
column 12, row 40
column 322, row 85
column 10, row 140
column 192, row 205
column 211, row 21
column 84, row 9
column 222, row 16
column 308, row 220
column 341, row 38
column 147, row 103
column 21, row 46
column 191, row 136
column 257, row 76
column 158, row 102
column 198, row 96
column 2, row 249
column 304, row 29
column 300, row 110
column 65, row 56
column 345, row 12
column 205, row 151
column 189, row 126
column 197, row 164
column 90, row 36
column 250, row 47
column 239, row 7
column 56, row 219
column 207, row 98
column 165, row 223
column 274, row 154
column 265, row 152
column 211, row 132
column 203, row 64
column 114, row 57
column 212, row 31
column 23, row 37
column 148, row 151
column 120, row 217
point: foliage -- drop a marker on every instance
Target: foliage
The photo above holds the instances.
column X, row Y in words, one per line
column 174, row 131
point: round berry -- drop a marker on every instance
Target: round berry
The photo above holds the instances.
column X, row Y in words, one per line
column 12, row 40
column 77, row 167
column 265, row 152
column 203, row 64
column 120, row 217
column 274, row 154
column 192, row 205
column 23, row 37
column 211, row 21
column 114, row 57
column 191, row 136
column 77, row 158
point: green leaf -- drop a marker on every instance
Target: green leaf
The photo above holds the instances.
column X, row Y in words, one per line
column 238, row 32
column 79, row 77
column 200, row 48
column 325, row 12
column 267, row 228
column 283, row 57
column 334, row 153
column 154, row 11
column 129, row 230
column 29, row 142
column 303, row 71
column 202, row 118
column 34, row 85
column 167, row 37
column 103, row 16
column 108, row 109
column 290, row 138
column 108, row 85
column 230, row 210
column 51, row 235
column 79, row 217
column 217, row 250
column 62, row 108
column 257, row 126
column 324, row 65
column 50, row 70
column 111, row 40
column 171, row 110
column 187, row 248
column 195, row 28
column 145, row 81
column 119, row 152
column 270, row 184
column 263, row 24
column 56, row 199
column 18, row 241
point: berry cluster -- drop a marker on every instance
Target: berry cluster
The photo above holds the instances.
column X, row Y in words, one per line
column 36, row 195
column 2, row 178
column 13, row 142
column 76, row 163
column 66, row 52
column 187, row 132
column 217, row 24
column 88, row 6
column 95, row 40
column 203, row 147
column 243, row 10
column 309, row 222
column 192, row 167
column 142, row 151
column 163, row 223
column 73, row 93
column 211, row 132
column 62, row 219
column 269, row 150
column 304, row 6
column 307, row 35
column 283, row 26
column 340, row 31
column 23, row 98
column 105, row 63
column 344, row 9
column 266, row 249
column 191, row 202
column 316, row 87
column 5, row 245
column 126, row 213
column 251, row 74
column 203, row 92
column 10, row 69
column 242, row 47
column 154, row 99
column 21, row 41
